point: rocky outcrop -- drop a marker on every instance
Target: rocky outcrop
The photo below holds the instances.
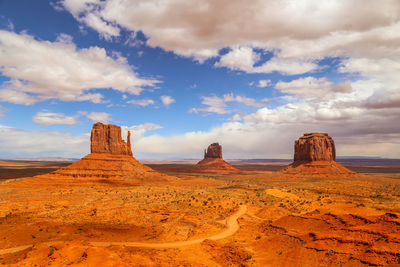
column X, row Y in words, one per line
column 213, row 151
column 106, row 138
column 314, row 155
column 213, row 162
column 314, row 147
column 111, row 159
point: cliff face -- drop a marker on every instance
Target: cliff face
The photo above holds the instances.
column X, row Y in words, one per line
column 214, row 151
column 106, row 138
column 213, row 162
column 314, row 147
column 314, row 155
column 110, row 158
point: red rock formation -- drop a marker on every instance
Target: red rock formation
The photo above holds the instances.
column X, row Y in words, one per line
column 213, row 161
column 314, row 147
column 106, row 138
column 314, row 155
column 213, row 151
column 110, row 158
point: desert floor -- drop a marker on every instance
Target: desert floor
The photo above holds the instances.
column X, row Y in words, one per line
column 256, row 218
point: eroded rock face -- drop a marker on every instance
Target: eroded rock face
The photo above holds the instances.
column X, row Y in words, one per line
column 213, row 161
column 314, row 147
column 106, row 138
column 214, row 151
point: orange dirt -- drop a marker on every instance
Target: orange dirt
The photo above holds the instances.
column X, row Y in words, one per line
column 215, row 165
column 298, row 220
column 318, row 169
column 108, row 168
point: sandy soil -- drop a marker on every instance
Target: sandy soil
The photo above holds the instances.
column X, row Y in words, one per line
column 255, row 218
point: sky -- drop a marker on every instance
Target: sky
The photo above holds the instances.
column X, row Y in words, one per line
column 180, row 74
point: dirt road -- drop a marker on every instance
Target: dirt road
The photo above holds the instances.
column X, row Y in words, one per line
column 231, row 227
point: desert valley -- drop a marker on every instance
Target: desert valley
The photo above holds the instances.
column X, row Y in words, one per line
column 108, row 209
column 205, row 133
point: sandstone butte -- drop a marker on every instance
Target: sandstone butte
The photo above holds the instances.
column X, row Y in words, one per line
column 110, row 158
column 315, row 155
column 213, row 161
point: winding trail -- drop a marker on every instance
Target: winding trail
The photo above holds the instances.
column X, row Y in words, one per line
column 231, row 224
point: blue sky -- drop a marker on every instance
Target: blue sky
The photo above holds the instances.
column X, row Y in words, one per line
column 183, row 74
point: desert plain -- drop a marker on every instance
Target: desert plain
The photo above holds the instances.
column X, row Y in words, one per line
column 288, row 220
column 108, row 209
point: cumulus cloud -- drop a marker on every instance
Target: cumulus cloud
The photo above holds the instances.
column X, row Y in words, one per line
column 214, row 104
column 310, row 87
column 141, row 102
column 263, row 83
column 218, row 105
column 167, row 100
column 200, row 29
column 17, row 97
column 270, row 133
column 87, row 12
column 139, row 130
column 363, row 35
column 241, row 99
column 35, row 75
column 245, row 58
column 16, row 142
column 98, row 116
column 49, row 118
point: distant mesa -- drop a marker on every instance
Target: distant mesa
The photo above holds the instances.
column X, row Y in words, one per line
column 315, row 155
column 110, row 158
column 213, row 161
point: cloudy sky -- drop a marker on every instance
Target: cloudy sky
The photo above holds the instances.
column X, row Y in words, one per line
column 181, row 74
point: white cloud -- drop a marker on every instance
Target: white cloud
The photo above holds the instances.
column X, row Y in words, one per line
column 214, row 104
column 364, row 36
column 310, row 87
column 200, row 29
column 20, row 143
column 98, row 116
column 167, row 100
column 270, row 133
column 244, row 58
column 241, row 99
column 49, row 118
column 219, row 105
column 263, row 83
column 40, row 70
column 87, row 13
column 141, row 102
column 138, row 131
column 239, row 58
column 17, row 97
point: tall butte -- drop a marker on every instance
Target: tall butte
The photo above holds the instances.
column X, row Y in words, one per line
column 213, row 161
column 315, row 155
column 110, row 158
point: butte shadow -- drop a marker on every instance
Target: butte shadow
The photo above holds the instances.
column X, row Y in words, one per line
column 110, row 161
column 213, row 162
column 315, row 155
